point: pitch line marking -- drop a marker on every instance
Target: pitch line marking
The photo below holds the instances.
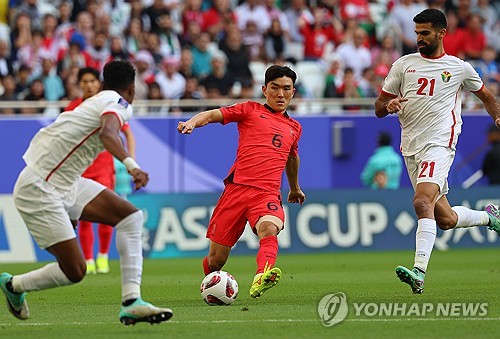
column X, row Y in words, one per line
column 77, row 323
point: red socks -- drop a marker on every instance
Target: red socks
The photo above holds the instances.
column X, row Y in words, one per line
column 266, row 256
column 206, row 269
column 105, row 233
column 86, row 235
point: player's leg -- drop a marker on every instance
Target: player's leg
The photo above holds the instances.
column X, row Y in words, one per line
column 104, row 232
column 216, row 258
column 448, row 217
column 427, row 191
column 108, row 208
column 43, row 212
column 86, row 237
column 269, row 211
column 225, row 226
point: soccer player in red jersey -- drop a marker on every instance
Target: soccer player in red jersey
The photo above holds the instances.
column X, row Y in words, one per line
column 102, row 170
column 268, row 144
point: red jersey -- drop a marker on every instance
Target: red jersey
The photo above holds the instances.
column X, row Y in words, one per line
column 103, row 164
column 266, row 139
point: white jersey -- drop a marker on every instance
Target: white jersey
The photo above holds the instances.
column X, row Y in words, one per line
column 432, row 114
column 62, row 151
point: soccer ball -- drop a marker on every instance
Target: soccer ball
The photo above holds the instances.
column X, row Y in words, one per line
column 219, row 288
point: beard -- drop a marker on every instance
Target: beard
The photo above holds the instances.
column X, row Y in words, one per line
column 428, row 49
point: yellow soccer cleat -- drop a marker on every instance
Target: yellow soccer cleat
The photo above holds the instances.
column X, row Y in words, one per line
column 91, row 269
column 264, row 281
column 102, row 263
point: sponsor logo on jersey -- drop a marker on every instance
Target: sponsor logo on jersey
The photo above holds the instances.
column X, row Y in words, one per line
column 446, row 76
column 411, row 71
column 123, row 102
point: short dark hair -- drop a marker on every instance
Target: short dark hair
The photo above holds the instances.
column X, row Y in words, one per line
column 118, row 75
column 433, row 16
column 384, row 139
column 88, row 70
column 277, row 71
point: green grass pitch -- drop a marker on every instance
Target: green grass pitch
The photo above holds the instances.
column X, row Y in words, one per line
column 90, row 309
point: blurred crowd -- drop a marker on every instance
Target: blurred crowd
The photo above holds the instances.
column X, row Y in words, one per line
column 196, row 49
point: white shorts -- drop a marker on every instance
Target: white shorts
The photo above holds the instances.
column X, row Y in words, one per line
column 48, row 211
column 432, row 164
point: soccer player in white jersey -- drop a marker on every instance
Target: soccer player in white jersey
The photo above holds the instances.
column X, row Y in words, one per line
column 51, row 195
column 424, row 90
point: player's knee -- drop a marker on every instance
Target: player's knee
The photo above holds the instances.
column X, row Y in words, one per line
column 422, row 205
column 76, row 273
column 267, row 229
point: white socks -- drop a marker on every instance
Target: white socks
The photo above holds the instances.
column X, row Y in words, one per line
column 129, row 245
column 469, row 218
column 43, row 278
column 424, row 242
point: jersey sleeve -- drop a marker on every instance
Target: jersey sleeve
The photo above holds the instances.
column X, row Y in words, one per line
column 294, row 151
column 472, row 81
column 392, row 84
column 235, row 113
column 121, row 108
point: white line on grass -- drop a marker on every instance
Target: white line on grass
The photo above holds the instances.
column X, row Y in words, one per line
column 78, row 323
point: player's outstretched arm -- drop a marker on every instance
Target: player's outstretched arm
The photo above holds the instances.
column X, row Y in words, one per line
column 292, row 173
column 200, row 120
column 490, row 103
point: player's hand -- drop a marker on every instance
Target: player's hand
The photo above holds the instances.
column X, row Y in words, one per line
column 139, row 177
column 296, row 196
column 394, row 105
column 185, row 127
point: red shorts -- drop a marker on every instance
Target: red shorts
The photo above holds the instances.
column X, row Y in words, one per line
column 237, row 205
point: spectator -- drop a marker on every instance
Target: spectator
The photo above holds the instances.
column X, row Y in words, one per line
column 349, row 89
column 22, row 81
column 237, row 55
column 52, row 83
column 215, row 19
column 30, row 7
column 491, row 162
column 144, row 67
column 186, row 63
column 402, row 22
column 354, row 54
column 5, row 60
column 317, row 34
column 487, row 66
column 36, row 93
column 252, row 10
column 171, row 82
column 153, row 47
column 30, row 54
column 218, row 83
column 384, row 167
column 154, row 94
column 201, row 56
column 253, row 41
column 368, row 84
column 275, row 44
column 151, row 16
column 298, row 12
column 74, row 56
column 192, row 92
column 333, row 78
column 170, row 43
column 474, row 38
column 275, row 13
column 117, row 51
column 9, row 94
column 192, row 13
column 20, row 36
column 55, row 44
column 133, row 36
column 454, row 39
column 98, row 52
column 386, row 47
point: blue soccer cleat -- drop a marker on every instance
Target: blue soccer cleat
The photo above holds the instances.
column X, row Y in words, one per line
column 141, row 311
column 16, row 302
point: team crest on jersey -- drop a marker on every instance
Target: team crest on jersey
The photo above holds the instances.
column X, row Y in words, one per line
column 123, row 102
column 446, row 76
